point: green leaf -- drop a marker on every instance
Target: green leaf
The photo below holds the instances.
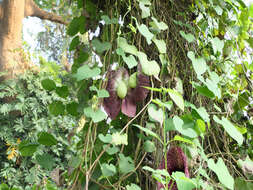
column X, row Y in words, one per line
column 129, row 60
column 189, row 37
column 230, row 129
column 133, row 187
column 46, row 161
column 218, row 10
column 217, row 45
column 74, row 43
column 95, row 115
column 76, row 25
column 143, row 29
column 159, row 25
column 108, row 20
column 200, row 126
column 144, row 6
column 161, row 45
column 155, row 114
column 149, row 146
column 75, row 161
column 118, row 139
column 72, row 108
column 27, row 149
column 126, row 164
column 222, row 172
column 46, row 139
column 183, row 182
column 108, row 169
column 82, row 57
column 105, row 139
column 63, row 91
column 148, row 67
column 101, row 47
column 48, row 84
column 241, row 184
column 177, row 98
column 122, row 43
column 203, row 114
column 181, row 139
column 85, row 72
column 101, row 93
column 148, row 132
column 199, row 64
column 167, row 105
column 246, row 165
column 111, row 150
column 56, row 108
column 181, row 128
column 203, row 90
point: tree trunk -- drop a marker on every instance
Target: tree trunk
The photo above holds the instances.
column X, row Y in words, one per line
column 12, row 13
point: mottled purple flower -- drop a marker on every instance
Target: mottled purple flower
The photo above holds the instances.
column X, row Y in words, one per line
column 176, row 161
column 127, row 105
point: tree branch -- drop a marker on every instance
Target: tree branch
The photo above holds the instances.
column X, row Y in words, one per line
column 31, row 9
column 1, row 11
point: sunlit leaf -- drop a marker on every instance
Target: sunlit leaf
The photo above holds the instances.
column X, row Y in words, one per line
column 222, row 172
column 177, row 98
column 118, row 139
column 95, row 115
column 217, row 45
column 85, row 72
column 230, row 129
column 189, row 37
column 199, row 64
column 122, row 43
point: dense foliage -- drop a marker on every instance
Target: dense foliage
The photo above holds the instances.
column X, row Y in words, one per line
column 175, row 77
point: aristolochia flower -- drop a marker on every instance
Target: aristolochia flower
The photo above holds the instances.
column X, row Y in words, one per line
column 176, row 161
column 125, row 92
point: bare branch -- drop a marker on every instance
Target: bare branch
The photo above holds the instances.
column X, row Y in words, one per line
column 31, row 9
column 1, row 11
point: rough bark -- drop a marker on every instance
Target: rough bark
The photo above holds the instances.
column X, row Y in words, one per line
column 12, row 13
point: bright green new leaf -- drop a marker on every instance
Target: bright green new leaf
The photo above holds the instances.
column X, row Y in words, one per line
column 100, row 47
column 167, row 105
column 217, row 45
column 161, row 45
column 122, row 43
column 230, row 129
column 85, row 72
column 189, row 37
column 222, row 172
column 200, row 126
column 133, row 187
column 126, row 164
column 46, row 139
column 149, row 146
column 181, row 139
column 177, row 98
column 56, row 108
column 119, row 139
column 148, row 67
column 95, row 115
column 106, row 139
column 199, row 64
column 108, row 169
column 48, row 84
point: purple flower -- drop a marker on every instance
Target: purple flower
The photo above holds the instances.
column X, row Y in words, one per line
column 127, row 105
column 176, row 161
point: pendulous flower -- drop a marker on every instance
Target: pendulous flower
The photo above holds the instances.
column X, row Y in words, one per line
column 176, row 161
column 125, row 92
